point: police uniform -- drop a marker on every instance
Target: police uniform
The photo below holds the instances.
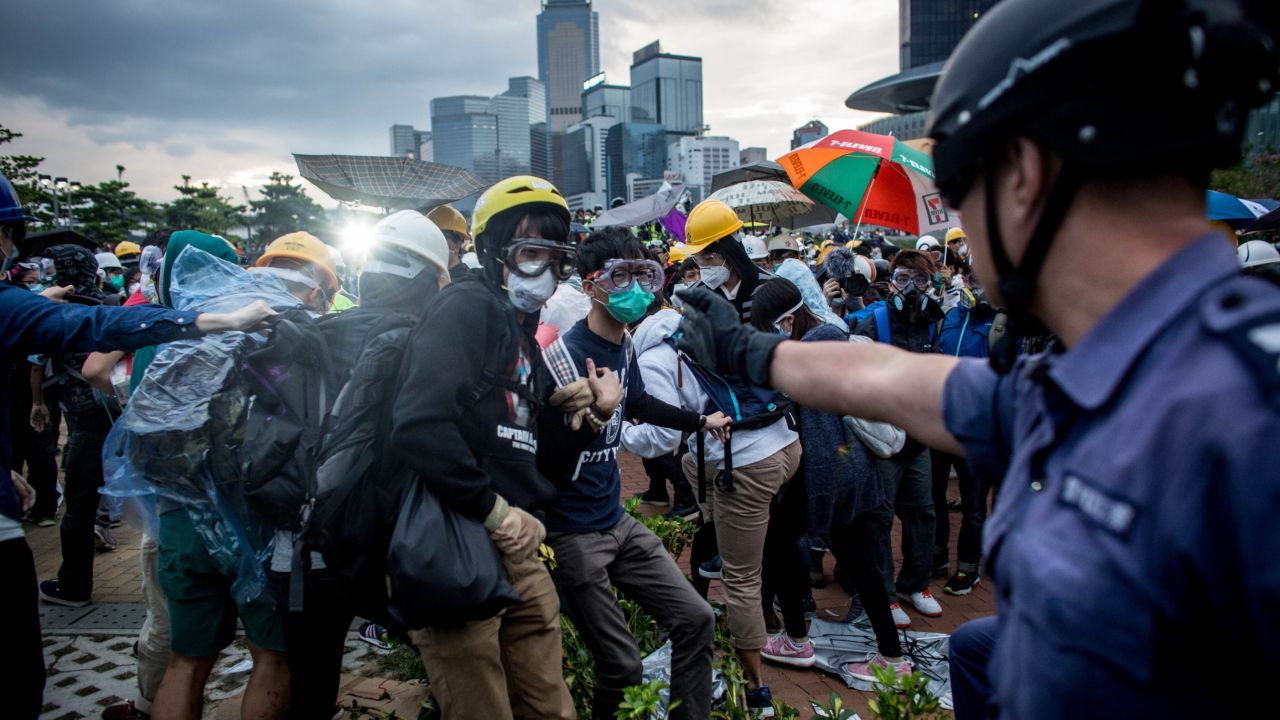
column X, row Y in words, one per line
column 1135, row 544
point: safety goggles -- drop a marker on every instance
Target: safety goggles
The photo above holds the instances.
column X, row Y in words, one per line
column 617, row 275
column 530, row 257
column 903, row 280
column 934, row 252
column 708, row 259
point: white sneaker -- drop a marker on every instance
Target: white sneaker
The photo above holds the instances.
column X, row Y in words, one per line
column 924, row 603
column 900, row 617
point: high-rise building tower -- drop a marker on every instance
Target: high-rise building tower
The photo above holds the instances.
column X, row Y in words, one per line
column 929, row 30
column 404, row 141
column 807, row 133
column 465, row 134
column 667, row 89
column 568, row 54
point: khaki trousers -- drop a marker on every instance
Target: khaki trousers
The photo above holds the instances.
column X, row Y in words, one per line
column 504, row 668
column 742, row 521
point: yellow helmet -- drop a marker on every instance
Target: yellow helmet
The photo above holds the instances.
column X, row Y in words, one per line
column 677, row 254
column 956, row 233
column 709, row 221
column 446, row 218
column 514, row 192
column 306, row 247
column 826, row 250
column 126, row 248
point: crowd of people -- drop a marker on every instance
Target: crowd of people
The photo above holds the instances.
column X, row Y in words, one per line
column 427, row 436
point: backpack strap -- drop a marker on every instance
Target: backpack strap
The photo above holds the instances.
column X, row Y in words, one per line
column 881, row 314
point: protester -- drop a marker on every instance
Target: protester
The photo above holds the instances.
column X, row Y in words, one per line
column 1138, row 462
column 454, row 226
column 783, row 247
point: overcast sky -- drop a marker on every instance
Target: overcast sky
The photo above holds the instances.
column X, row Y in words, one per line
column 225, row 91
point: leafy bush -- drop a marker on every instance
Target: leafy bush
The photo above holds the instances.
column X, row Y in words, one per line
column 903, row 698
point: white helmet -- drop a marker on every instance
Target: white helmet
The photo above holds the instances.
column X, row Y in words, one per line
column 420, row 238
column 107, row 261
column 784, row 242
column 1257, row 252
column 864, row 267
column 755, row 247
column 925, row 241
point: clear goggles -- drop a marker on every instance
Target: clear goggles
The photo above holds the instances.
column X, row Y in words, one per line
column 905, row 279
column 617, row 275
column 530, row 257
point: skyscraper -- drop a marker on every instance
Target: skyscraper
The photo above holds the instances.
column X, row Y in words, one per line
column 667, row 89
column 700, row 158
column 929, row 30
column 807, row 133
column 604, row 99
column 407, row 141
column 517, row 110
column 634, row 148
column 568, row 54
column 465, row 134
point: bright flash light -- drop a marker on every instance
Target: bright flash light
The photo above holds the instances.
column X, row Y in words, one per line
column 356, row 240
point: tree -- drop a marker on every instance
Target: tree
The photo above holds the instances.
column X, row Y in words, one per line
column 1255, row 177
column 23, row 172
column 284, row 208
column 110, row 211
column 200, row 207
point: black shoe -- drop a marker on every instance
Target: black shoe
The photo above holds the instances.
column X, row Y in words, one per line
column 654, row 497
column 685, row 509
column 711, row 568
column 51, row 593
column 962, row 583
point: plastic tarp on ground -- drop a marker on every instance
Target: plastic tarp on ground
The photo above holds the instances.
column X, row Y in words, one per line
column 644, row 210
column 657, row 666
column 176, row 444
column 837, row 644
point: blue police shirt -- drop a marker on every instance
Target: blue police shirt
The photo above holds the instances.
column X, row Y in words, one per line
column 1135, row 544
column 31, row 324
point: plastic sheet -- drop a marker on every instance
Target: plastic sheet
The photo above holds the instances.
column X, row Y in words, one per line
column 803, row 278
column 657, row 666
column 177, row 443
column 836, row 644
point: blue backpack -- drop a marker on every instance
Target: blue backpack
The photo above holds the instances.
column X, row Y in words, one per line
column 883, row 333
column 964, row 336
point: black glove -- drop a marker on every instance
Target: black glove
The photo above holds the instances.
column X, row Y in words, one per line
column 713, row 335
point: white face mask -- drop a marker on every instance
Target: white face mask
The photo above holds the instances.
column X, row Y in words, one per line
column 715, row 276
column 530, row 294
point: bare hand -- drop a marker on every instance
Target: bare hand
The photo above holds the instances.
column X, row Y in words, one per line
column 249, row 317
column 718, row 425
column 58, row 294
column 519, row 535
column 573, row 397
column 26, row 494
column 39, row 417
column 831, row 289
column 605, row 386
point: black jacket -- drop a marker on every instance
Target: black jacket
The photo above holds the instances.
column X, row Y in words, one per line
column 472, row 418
column 907, row 330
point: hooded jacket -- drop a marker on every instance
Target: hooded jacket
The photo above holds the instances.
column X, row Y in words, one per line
column 665, row 380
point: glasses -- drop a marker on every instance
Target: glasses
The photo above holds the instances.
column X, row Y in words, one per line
column 933, row 252
column 618, row 275
column 708, row 259
column 902, row 280
column 530, row 257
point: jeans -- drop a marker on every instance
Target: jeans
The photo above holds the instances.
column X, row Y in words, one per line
column 630, row 557
column 971, row 647
column 785, row 569
column 851, row 544
column 314, row 640
column 973, row 504
column 908, row 493
column 37, row 451
column 82, row 478
column 24, row 648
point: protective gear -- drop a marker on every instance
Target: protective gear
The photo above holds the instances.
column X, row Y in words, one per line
column 35, row 287
column 108, row 261
column 715, row 276
column 306, row 247
column 629, row 305
column 677, row 254
column 562, row 260
column 10, row 205
column 117, row 282
column 1257, row 252
column 129, row 250
column 777, row 324
column 784, row 242
column 530, row 292
column 755, row 247
column 519, row 535
column 520, row 191
column 447, row 218
column 618, row 274
column 954, row 234
column 709, row 221
column 420, row 239
column 712, row 333
column 1081, row 79
column 573, row 397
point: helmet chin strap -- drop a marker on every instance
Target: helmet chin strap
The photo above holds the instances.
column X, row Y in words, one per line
column 1017, row 283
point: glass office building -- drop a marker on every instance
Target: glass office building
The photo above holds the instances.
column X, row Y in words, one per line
column 667, row 89
column 568, row 54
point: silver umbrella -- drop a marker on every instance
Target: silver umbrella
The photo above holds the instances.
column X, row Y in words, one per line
column 394, row 183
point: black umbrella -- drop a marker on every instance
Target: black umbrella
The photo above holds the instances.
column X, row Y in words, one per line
column 1270, row 221
column 767, row 170
column 394, row 183
column 35, row 244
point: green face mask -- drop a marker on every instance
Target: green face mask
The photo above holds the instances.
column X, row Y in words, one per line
column 117, row 282
column 629, row 305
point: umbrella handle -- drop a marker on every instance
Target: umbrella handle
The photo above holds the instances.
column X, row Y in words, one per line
column 867, row 197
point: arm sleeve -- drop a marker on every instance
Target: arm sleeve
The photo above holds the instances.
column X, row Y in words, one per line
column 34, row 324
column 559, row 445
column 977, row 406
column 645, row 408
column 444, row 356
column 658, row 368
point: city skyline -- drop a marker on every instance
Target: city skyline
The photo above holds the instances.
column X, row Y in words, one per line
column 145, row 101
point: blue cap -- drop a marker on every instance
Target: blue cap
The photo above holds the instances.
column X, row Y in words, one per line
column 10, row 205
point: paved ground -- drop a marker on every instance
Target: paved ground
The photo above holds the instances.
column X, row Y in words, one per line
column 89, row 651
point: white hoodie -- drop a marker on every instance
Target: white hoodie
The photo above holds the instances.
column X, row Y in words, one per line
column 663, row 379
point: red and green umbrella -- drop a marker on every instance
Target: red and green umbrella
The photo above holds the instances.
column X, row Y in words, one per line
column 870, row 179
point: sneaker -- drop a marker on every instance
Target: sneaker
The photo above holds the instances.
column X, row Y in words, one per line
column 124, row 711
column 901, row 620
column 760, row 702
column 375, row 635
column 962, row 583
column 104, row 539
column 781, row 648
column 654, row 497
column 924, row 603
column 711, row 568
column 51, row 593
column 684, row 509
column 862, row 670
column 46, row 522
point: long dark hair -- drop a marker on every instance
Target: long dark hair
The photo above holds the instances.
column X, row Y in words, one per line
column 491, row 245
column 775, row 298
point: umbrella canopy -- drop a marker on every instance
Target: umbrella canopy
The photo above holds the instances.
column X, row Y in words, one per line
column 774, row 202
column 388, row 182
column 1270, row 221
column 644, row 210
column 35, row 244
column 873, row 179
column 1232, row 210
column 767, row 170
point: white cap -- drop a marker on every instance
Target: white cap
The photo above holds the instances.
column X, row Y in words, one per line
column 107, row 261
column 784, row 242
column 755, row 247
column 411, row 231
column 1257, row 252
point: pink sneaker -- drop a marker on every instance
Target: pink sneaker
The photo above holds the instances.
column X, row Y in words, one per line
column 781, row 649
column 862, row 670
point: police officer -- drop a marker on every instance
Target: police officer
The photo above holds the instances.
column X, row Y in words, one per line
column 1134, row 544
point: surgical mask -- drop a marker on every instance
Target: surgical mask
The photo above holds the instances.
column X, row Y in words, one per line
column 629, row 305
column 529, row 294
column 35, row 287
column 117, row 282
column 715, row 276
column 962, row 249
column 134, row 288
